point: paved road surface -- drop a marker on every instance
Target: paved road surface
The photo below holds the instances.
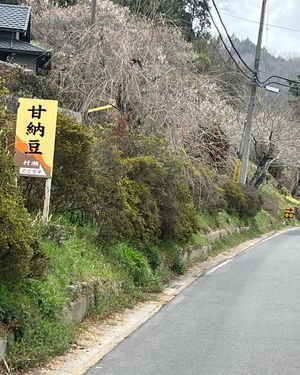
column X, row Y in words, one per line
column 242, row 318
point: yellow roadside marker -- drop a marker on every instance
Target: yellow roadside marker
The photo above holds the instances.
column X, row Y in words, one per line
column 100, row 108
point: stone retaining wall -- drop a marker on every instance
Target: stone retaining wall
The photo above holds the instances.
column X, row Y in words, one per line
column 192, row 254
column 86, row 295
column 3, row 346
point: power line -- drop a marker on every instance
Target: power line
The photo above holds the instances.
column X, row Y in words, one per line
column 238, row 54
column 278, row 83
column 265, row 24
column 223, row 42
column 229, row 38
column 279, row 77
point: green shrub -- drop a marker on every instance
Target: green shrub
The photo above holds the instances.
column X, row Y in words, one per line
column 18, row 239
column 263, row 219
column 273, row 201
column 142, row 193
column 235, row 199
column 129, row 212
column 198, row 240
column 133, row 261
column 253, row 201
column 225, row 220
column 20, row 83
column 152, row 254
column 177, row 207
column 73, row 171
column 173, row 257
column 179, row 265
column 243, row 201
column 206, row 222
column 36, row 321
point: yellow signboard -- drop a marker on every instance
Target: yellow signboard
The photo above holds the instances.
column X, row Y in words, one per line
column 35, row 137
column 289, row 212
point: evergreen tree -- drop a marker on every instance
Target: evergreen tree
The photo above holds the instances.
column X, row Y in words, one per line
column 190, row 16
column 295, row 87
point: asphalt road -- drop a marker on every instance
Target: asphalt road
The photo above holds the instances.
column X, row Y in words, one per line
column 239, row 319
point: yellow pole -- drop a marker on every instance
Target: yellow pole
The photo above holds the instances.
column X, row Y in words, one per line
column 100, row 108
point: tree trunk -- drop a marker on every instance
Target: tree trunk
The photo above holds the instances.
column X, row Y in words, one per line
column 260, row 176
column 296, row 183
column 262, row 169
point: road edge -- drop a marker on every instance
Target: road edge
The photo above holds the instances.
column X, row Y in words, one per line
column 133, row 319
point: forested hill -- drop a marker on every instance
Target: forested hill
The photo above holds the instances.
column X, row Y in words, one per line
column 270, row 65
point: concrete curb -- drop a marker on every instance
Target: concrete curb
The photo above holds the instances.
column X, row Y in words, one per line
column 133, row 319
column 3, row 346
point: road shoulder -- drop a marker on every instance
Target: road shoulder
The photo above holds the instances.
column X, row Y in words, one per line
column 98, row 339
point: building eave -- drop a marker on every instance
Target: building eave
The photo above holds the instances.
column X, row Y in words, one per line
column 24, row 52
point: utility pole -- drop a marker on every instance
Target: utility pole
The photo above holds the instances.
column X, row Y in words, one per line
column 93, row 12
column 246, row 139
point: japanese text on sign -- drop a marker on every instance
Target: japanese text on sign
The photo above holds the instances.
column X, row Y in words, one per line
column 35, row 137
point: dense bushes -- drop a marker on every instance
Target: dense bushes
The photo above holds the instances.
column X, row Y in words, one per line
column 133, row 262
column 243, row 201
column 39, row 328
column 152, row 253
column 73, row 171
column 17, row 236
column 129, row 186
column 152, row 198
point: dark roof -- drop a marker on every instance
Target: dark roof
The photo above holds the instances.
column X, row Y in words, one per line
column 14, row 17
column 20, row 46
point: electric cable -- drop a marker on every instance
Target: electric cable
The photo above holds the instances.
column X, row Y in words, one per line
column 224, row 44
column 229, row 38
column 277, row 83
column 257, row 80
column 279, row 77
column 257, row 22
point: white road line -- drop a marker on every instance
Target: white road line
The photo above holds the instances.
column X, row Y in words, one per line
column 267, row 239
column 218, row 266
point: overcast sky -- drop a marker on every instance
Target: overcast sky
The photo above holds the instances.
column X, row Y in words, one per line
column 283, row 13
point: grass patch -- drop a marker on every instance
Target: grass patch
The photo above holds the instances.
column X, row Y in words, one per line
column 109, row 301
column 198, row 240
column 206, row 222
column 34, row 309
column 273, row 201
column 263, row 219
column 233, row 240
column 225, row 220
column 236, row 239
column 76, row 260
column 36, row 319
column 172, row 254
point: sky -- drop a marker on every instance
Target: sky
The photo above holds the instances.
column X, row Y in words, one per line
column 283, row 13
